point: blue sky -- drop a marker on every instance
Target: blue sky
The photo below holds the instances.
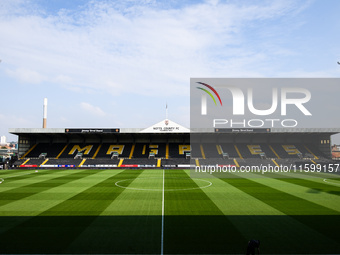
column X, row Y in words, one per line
column 117, row 63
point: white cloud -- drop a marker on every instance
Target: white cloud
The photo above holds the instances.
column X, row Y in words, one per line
column 26, row 75
column 137, row 54
column 124, row 48
column 93, row 110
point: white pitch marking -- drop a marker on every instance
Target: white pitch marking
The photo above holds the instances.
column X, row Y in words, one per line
column 333, row 183
column 163, row 200
column 125, row 187
column 2, row 180
column 162, row 238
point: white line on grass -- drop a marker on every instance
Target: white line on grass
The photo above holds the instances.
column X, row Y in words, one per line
column 2, row 179
column 162, row 238
column 333, row 183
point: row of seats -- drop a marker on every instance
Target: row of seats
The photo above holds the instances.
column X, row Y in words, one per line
column 105, row 150
column 259, row 151
column 175, row 150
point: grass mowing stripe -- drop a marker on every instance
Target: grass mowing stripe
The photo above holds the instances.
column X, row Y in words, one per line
column 138, row 234
column 94, row 200
column 162, row 234
column 135, row 226
column 315, row 187
column 283, row 234
column 34, row 188
column 272, row 229
column 5, row 173
column 42, row 201
column 186, row 202
column 293, row 206
column 193, row 224
column 16, row 174
column 232, row 201
column 35, row 204
column 311, row 190
column 49, row 233
column 330, row 201
column 143, row 199
column 286, row 202
column 18, row 180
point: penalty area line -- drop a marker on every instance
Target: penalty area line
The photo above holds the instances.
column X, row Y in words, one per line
column 118, row 184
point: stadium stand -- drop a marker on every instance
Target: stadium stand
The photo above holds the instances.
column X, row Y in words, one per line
column 143, row 150
column 210, row 150
column 163, row 145
column 52, row 150
column 217, row 161
column 175, row 162
column 230, row 149
column 167, row 154
column 87, row 150
column 177, row 150
column 64, row 161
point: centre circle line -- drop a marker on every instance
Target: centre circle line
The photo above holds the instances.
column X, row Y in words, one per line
column 333, row 183
column 131, row 188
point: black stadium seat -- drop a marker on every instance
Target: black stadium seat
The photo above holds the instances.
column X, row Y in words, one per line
column 173, row 153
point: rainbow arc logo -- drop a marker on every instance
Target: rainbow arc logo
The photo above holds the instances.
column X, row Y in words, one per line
column 209, row 93
column 204, row 99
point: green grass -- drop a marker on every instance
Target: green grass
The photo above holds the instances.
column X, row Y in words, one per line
column 84, row 212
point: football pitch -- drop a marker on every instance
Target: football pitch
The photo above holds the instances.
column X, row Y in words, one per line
column 165, row 212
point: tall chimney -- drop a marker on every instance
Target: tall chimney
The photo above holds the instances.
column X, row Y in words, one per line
column 45, row 113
